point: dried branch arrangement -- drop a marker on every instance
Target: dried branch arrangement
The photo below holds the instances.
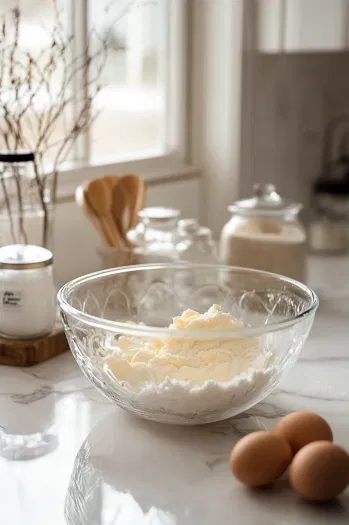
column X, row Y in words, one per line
column 40, row 92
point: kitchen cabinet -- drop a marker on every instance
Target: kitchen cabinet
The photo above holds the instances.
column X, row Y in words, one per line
column 302, row 25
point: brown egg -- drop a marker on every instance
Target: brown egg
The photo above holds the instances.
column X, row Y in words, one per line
column 260, row 458
column 320, row 471
column 301, row 428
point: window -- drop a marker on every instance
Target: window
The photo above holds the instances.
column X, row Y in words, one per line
column 141, row 106
column 133, row 102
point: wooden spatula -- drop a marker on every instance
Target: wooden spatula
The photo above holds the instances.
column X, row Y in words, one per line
column 134, row 189
column 118, row 210
column 111, row 180
column 89, row 213
column 99, row 198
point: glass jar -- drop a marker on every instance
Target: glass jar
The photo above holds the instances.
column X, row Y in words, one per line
column 329, row 225
column 195, row 243
column 27, row 292
column 27, row 310
column 154, row 237
column 265, row 233
column 25, row 208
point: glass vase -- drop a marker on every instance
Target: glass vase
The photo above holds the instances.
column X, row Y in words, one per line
column 29, row 227
column 26, row 211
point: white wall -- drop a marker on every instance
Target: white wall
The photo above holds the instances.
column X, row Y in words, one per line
column 216, row 102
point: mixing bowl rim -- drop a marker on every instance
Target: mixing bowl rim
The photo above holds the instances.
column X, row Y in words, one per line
column 129, row 328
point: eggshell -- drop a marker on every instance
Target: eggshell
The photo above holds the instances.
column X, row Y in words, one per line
column 260, row 458
column 320, row 471
column 301, row 428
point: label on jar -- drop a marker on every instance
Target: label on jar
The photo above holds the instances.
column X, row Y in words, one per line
column 11, row 299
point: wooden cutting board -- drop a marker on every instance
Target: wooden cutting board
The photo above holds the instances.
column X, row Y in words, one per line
column 27, row 352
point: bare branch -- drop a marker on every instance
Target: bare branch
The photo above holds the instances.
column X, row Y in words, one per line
column 37, row 95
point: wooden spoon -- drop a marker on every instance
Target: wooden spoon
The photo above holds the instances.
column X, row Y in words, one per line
column 99, row 197
column 111, row 180
column 134, row 187
column 89, row 213
column 118, row 208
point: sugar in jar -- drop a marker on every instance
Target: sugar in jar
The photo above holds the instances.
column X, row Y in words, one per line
column 27, row 291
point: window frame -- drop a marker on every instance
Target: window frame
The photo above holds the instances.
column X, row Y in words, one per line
column 174, row 162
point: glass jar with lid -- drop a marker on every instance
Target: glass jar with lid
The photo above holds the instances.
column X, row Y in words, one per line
column 195, row 243
column 154, row 237
column 329, row 225
column 265, row 233
column 152, row 240
column 27, row 291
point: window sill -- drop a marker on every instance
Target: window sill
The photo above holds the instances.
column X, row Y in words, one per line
column 155, row 170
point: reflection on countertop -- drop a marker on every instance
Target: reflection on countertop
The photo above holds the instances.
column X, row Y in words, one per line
column 109, row 468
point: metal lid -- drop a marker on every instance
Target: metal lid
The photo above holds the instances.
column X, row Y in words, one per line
column 266, row 202
column 159, row 214
column 24, row 257
column 17, row 156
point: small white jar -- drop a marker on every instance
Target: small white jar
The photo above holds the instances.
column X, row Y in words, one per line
column 27, row 291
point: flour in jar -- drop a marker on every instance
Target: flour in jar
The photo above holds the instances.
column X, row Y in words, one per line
column 265, row 233
column 278, row 247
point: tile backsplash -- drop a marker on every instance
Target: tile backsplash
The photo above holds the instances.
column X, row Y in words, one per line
column 289, row 101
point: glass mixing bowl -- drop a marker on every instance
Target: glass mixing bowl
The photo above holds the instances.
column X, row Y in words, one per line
column 140, row 302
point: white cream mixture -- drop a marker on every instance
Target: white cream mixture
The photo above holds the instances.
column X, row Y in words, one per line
column 144, row 360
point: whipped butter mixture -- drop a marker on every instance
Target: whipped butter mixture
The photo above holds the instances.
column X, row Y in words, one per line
column 140, row 360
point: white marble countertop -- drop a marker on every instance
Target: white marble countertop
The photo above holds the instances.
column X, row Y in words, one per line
column 108, row 468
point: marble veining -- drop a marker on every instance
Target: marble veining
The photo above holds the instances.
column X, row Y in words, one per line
column 110, row 468
column 25, row 399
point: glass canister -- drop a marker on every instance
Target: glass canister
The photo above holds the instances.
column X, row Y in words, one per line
column 25, row 207
column 329, row 225
column 195, row 243
column 265, row 233
column 27, row 291
column 154, row 237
